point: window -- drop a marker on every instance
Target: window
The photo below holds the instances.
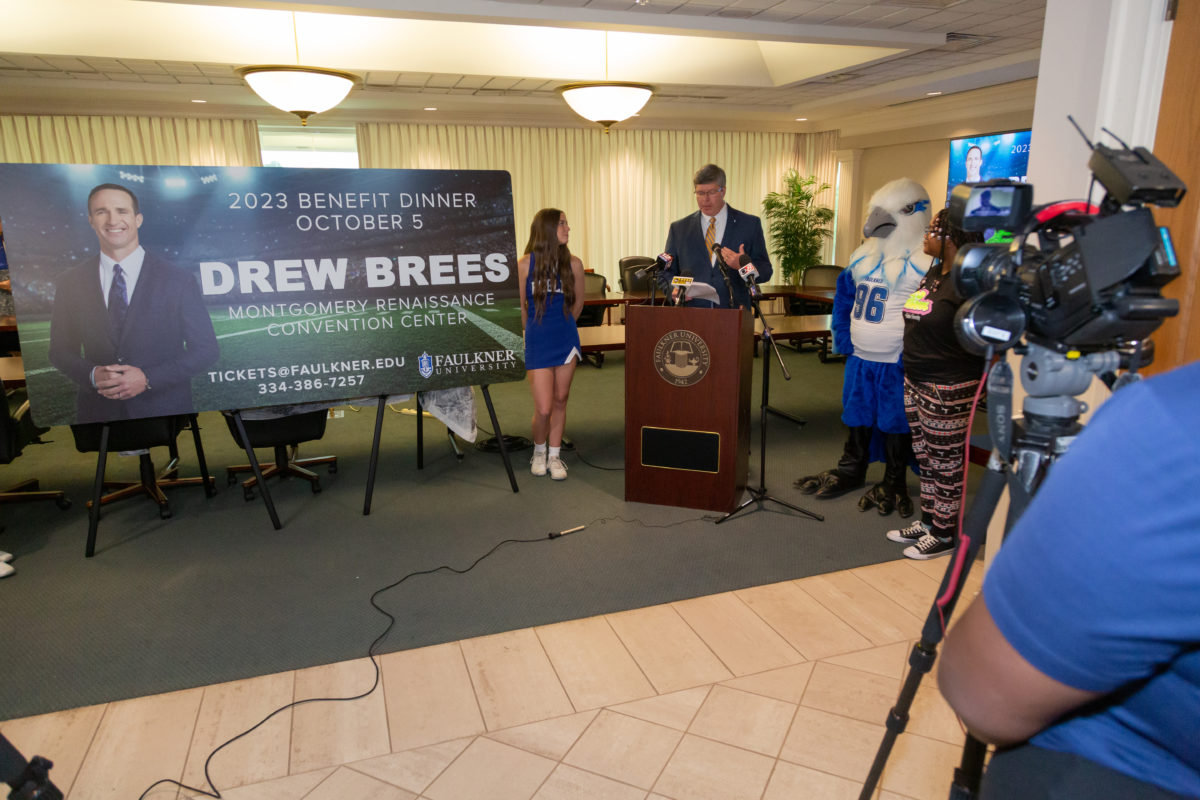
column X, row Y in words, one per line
column 293, row 146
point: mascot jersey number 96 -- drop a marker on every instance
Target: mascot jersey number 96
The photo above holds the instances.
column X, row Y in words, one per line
column 870, row 302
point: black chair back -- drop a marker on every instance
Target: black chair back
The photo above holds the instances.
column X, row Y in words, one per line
column 631, row 282
column 280, row 431
column 591, row 316
column 129, row 434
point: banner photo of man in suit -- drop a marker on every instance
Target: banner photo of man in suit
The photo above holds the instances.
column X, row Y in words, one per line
column 144, row 291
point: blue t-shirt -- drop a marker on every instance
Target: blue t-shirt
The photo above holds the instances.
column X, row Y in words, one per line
column 1098, row 585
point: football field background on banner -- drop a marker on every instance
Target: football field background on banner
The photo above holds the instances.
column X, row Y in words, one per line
column 486, row 330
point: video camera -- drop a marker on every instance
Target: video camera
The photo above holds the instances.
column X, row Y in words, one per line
column 1091, row 282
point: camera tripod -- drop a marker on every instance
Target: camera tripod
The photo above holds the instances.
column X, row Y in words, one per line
column 760, row 495
column 1022, row 454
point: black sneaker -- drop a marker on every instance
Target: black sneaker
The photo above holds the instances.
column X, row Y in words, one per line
column 910, row 534
column 929, row 547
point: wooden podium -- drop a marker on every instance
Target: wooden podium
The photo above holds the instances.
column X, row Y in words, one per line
column 687, row 406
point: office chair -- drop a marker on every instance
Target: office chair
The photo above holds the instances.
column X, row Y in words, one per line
column 280, row 433
column 16, row 431
column 630, row 281
column 592, row 316
column 138, row 434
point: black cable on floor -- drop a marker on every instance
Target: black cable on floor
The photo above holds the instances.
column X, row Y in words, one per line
column 370, row 654
column 579, row 454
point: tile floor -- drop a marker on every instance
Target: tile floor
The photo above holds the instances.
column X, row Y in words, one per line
column 774, row 692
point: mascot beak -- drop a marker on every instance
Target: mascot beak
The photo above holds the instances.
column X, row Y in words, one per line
column 880, row 224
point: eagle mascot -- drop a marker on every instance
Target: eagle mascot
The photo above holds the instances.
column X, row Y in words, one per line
column 868, row 328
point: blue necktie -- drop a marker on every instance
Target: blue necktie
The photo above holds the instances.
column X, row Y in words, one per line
column 118, row 301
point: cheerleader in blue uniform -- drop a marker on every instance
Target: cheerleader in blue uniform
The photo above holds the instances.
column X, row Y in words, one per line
column 550, row 303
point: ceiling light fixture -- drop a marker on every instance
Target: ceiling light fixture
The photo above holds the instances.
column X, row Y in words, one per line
column 606, row 102
column 299, row 90
column 932, row 94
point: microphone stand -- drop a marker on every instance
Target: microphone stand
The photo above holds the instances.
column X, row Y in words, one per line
column 720, row 262
column 760, row 495
column 29, row 780
column 653, row 269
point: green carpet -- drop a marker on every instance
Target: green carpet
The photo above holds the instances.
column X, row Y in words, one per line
column 215, row 594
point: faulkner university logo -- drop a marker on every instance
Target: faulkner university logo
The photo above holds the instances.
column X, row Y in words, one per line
column 425, row 365
column 682, row 358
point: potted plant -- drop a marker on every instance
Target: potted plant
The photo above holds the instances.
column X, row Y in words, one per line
column 798, row 226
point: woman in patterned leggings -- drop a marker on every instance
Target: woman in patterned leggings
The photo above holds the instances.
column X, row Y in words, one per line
column 940, row 381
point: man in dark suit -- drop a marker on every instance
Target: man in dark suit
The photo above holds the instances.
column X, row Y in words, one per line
column 130, row 330
column 743, row 247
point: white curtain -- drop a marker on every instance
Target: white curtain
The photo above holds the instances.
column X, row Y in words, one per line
column 619, row 191
column 129, row 140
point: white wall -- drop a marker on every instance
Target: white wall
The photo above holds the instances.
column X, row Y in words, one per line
column 927, row 163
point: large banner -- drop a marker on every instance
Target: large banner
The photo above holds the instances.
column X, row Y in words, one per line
column 145, row 290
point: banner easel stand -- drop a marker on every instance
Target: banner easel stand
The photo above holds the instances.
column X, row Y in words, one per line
column 262, row 484
column 374, row 462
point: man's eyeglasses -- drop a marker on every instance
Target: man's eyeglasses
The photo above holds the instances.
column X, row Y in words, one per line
column 708, row 193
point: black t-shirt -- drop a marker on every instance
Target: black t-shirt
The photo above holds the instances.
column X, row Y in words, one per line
column 932, row 353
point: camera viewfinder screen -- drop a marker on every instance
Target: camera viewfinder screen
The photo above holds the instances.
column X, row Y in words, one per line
column 990, row 201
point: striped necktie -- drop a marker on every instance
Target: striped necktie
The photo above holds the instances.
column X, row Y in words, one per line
column 710, row 235
column 118, row 300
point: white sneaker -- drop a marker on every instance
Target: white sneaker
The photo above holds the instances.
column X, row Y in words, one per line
column 911, row 534
column 537, row 464
column 5, row 557
column 558, row 470
column 6, row 569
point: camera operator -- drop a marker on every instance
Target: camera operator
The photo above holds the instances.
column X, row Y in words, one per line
column 940, row 381
column 1082, row 657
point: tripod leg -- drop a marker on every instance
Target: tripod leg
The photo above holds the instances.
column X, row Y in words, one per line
column 969, row 772
column 925, row 651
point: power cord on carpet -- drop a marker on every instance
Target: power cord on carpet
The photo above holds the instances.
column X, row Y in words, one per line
column 370, row 654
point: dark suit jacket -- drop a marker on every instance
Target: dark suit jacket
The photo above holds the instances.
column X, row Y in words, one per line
column 685, row 244
column 168, row 334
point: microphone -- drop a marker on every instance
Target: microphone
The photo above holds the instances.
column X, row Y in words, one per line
column 682, row 283
column 662, row 261
column 748, row 271
column 716, row 248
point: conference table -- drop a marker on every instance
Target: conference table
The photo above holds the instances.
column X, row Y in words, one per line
column 769, row 291
column 600, row 338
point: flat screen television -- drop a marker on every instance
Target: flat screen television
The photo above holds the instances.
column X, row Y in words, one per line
column 983, row 158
